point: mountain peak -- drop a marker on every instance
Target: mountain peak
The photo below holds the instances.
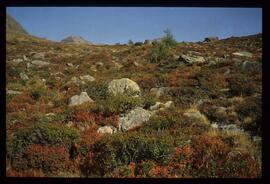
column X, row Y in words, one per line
column 13, row 26
column 75, row 39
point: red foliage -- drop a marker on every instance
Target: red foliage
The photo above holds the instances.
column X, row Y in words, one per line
column 25, row 173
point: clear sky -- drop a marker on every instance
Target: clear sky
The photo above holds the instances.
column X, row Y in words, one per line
column 120, row 24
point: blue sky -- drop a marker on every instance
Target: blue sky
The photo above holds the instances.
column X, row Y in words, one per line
column 119, row 24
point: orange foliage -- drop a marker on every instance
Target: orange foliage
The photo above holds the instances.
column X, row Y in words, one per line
column 25, row 173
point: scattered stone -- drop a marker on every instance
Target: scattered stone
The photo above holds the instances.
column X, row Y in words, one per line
column 214, row 125
column 231, row 127
column 191, row 59
column 17, row 61
column 40, row 63
column 124, row 86
column 93, row 68
column 87, row 78
column 70, row 124
column 70, row 64
column 40, row 55
column 99, row 64
column 157, row 106
column 107, row 129
column 168, row 104
column 136, row 64
column 80, row 99
column 25, row 58
column 134, row 118
column 29, row 65
column 243, row 54
column 12, row 92
column 24, row 76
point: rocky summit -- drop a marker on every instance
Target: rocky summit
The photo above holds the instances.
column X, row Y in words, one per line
column 160, row 108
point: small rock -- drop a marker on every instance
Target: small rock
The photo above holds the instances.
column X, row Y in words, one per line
column 168, row 104
column 87, row 78
column 70, row 64
column 29, row 65
column 40, row 63
column 194, row 113
column 12, row 92
column 214, row 125
column 23, row 76
column 157, row 106
column 107, row 129
column 40, row 55
column 70, row 124
column 80, row 99
column 25, row 58
column 17, row 61
column 243, row 53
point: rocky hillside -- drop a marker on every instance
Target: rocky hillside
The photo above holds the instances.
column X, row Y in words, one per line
column 13, row 26
column 75, row 40
column 159, row 109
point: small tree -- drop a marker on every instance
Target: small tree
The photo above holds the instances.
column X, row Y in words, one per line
column 168, row 39
column 130, row 42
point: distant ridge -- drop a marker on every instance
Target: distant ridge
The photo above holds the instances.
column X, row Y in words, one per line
column 76, row 40
column 13, row 26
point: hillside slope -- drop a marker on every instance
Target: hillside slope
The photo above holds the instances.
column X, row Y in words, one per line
column 190, row 110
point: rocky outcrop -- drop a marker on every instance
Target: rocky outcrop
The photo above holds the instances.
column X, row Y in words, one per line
column 75, row 40
column 191, row 59
column 243, row 54
column 211, row 39
column 13, row 26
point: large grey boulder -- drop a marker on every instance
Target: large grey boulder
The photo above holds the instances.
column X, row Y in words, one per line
column 191, row 59
column 243, row 54
column 80, row 99
column 124, row 86
column 134, row 118
column 107, row 130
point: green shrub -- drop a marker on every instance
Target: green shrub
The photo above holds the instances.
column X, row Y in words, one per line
column 159, row 52
column 119, row 104
column 45, row 134
column 122, row 149
column 35, row 95
column 97, row 91
column 168, row 39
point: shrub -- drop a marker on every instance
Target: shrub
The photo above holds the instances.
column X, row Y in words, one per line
column 45, row 134
column 168, row 39
column 35, row 95
column 110, row 153
column 242, row 85
column 159, row 52
column 251, row 108
column 97, row 91
column 49, row 159
column 119, row 104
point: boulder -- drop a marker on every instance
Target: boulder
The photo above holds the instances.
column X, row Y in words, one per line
column 80, row 99
column 168, row 104
column 191, row 59
column 157, row 106
column 124, row 86
column 107, row 129
column 40, row 63
column 134, row 118
column 243, row 54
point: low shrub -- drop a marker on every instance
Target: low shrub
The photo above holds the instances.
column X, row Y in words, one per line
column 48, row 159
column 44, row 134
column 122, row 149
